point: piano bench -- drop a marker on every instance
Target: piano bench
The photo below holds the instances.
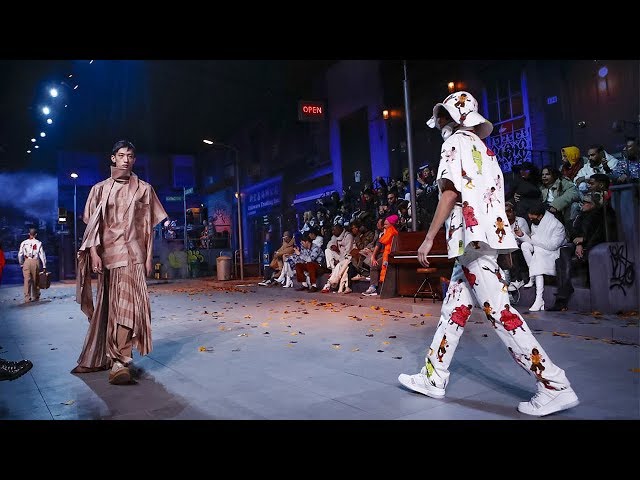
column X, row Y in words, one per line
column 425, row 287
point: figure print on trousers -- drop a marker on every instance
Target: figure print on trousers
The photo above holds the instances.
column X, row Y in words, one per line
column 442, row 349
column 510, row 320
column 460, row 315
column 498, row 275
column 489, row 312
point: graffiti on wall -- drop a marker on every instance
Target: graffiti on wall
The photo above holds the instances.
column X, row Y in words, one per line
column 623, row 269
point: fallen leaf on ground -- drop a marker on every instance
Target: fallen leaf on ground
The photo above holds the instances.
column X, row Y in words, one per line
column 392, row 336
column 386, row 343
column 560, row 334
column 355, row 349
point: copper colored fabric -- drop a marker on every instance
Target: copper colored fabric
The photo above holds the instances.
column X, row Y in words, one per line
column 122, row 212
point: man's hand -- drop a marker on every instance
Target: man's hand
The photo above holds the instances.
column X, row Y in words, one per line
column 578, row 240
column 424, row 250
column 579, row 251
column 96, row 262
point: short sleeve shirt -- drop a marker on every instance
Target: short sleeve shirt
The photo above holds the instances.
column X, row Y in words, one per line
column 479, row 220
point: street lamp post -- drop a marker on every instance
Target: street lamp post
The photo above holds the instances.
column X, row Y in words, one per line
column 74, row 175
column 238, row 196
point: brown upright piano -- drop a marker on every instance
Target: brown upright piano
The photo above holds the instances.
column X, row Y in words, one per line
column 401, row 278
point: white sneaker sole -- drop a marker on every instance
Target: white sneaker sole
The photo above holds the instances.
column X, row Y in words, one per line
column 405, row 380
column 524, row 407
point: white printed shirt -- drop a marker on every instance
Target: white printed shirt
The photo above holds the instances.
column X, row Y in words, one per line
column 32, row 248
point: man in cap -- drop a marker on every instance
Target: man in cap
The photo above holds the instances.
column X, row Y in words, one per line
column 29, row 254
column 476, row 273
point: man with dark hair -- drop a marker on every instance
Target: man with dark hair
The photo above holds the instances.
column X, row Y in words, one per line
column 587, row 230
column 476, row 274
column 627, row 170
column 30, row 254
column 117, row 246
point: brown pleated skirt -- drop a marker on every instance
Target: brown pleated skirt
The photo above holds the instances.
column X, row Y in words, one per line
column 128, row 300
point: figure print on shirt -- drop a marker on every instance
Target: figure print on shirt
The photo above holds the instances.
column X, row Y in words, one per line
column 453, row 228
column 500, row 231
column 488, row 311
column 468, row 213
column 477, row 159
column 469, row 180
column 460, row 315
column 498, row 275
column 489, row 197
column 510, row 320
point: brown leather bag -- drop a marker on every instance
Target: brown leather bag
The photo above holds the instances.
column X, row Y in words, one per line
column 44, row 280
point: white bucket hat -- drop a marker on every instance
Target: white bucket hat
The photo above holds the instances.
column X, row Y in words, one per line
column 463, row 108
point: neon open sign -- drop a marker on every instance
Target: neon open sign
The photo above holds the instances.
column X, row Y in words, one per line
column 310, row 111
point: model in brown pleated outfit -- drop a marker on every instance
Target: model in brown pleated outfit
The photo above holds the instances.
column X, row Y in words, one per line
column 120, row 214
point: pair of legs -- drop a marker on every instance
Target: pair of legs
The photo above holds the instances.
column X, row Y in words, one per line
column 530, row 252
column 30, row 276
column 476, row 283
column 564, row 271
column 312, row 269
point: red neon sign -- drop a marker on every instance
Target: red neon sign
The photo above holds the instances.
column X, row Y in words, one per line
column 310, row 111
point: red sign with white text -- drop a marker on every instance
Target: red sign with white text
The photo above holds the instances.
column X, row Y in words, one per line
column 310, row 111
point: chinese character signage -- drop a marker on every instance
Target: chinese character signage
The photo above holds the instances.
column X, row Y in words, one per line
column 264, row 196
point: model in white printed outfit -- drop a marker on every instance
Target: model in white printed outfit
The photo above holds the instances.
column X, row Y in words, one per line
column 476, row 248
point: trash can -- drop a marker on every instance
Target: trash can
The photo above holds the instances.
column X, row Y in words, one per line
column 223, row 267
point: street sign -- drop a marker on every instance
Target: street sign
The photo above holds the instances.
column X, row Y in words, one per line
column 188, row 191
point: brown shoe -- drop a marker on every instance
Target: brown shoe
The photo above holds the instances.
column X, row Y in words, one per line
column 119, row 375
column 81, row 369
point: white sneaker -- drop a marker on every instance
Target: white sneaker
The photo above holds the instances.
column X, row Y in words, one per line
column 530, row 283
column 370, row 292
column 357, row 278
column 548, row 401
column 346, row 290
column 517, row 285
column 421, row 384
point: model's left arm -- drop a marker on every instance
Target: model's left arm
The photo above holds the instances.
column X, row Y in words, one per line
column 157, row 214
column 43, row 257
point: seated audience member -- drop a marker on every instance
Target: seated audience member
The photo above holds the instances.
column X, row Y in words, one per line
column 558, row 193
column 339, row 246
column 316, row 238
column 587, row 231
column 308, row 260
column 571, row 162
column 599, row 162
column 519, row 271
column 274, row 268
column 380, row 255
column 525, row 190
column 627, row 170
column 541, row 249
